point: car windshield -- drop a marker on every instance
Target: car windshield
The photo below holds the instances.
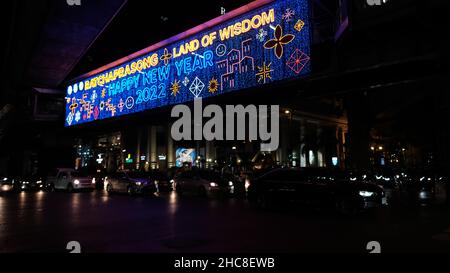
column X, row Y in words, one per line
column 137, row 175
column 158, row 175
column 78, row 174
column 210, row 175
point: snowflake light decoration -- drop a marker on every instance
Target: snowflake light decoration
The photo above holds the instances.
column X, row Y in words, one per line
column 264, row 72
column 94, row 96
column 185, row 81
column 288, row 15
column 261, row 35
column 77, row 116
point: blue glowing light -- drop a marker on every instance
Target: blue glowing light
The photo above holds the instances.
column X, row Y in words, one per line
column 265, row 45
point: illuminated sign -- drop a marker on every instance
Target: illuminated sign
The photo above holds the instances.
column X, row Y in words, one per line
column 185, row 156
column 239, row 50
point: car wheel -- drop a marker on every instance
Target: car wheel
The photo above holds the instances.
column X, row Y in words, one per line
column 51, row 188
column 69, row 188
column 109, row 189
column 130, row 191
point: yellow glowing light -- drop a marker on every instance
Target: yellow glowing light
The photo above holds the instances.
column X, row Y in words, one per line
column 175, row 88
column 213, row 86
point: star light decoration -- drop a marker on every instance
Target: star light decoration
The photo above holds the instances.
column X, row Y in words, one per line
column 279, row 41
column 288, row 15
column 264, row 72
column 297, row 61
column 196, row 87
column 175, row 87
column 213, row 86
column 103, row 92
column 261, row 35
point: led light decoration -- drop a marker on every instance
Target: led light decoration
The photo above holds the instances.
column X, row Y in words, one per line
column 263, row 42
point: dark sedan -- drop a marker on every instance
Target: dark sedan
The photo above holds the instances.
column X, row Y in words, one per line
column 131, row 183
column 314, row 187
column 31, row 182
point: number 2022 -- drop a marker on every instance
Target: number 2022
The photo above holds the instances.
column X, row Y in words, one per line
column 152, row 93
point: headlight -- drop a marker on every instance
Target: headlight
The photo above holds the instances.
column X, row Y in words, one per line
column 5, row 179
column 93, row 180
column 76, row 182
column 247, row 184
column 26, row 182
column 366, row 193
column 172, row 181
column 138, row 183
column 213, row 184
column 230, row 183
column 39, row 182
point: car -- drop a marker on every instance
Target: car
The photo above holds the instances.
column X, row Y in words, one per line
column 70, row 180
column 131, row 183
column 96, row 172
column 316, row 188
column 161, row 180
column 423, row 186
column 31, row 182
column 202, row 183
column 8, row 184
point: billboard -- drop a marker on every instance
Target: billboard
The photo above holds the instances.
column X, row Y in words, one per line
column 254, row 45
column 185, row 155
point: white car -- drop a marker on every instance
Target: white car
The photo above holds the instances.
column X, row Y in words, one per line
column 70, row 180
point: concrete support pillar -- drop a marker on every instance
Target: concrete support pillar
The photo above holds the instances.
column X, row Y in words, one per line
column 340, row 136
column 302, row 155
column 138, row 147
column 153, row 147
column 170, row 157
column 320, row 148
column 209, row 153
